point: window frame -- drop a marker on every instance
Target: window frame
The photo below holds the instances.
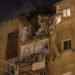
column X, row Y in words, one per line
column 67, row 40
column 65, row 13
column 68, row 12
column 12, row 51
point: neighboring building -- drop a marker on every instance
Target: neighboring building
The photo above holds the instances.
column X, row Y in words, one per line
column 63, row 39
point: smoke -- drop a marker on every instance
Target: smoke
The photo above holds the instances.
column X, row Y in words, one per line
column 49, row 3
column 12, row 8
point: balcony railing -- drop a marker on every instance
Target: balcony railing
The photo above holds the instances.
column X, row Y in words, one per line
column 10, row 69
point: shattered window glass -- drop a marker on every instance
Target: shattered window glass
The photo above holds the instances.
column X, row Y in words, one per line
column 58, row 19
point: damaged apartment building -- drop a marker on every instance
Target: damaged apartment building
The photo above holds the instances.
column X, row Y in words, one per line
column 25, row 41
column 39, row 43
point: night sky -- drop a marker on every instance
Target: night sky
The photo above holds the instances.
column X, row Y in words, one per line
column 13, row 8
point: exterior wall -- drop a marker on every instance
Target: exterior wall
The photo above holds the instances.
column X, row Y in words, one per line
column 63, row 33
column 5, row 28
column 65, row 30
column 73, row 24
column 65, row 64
column 33, row 47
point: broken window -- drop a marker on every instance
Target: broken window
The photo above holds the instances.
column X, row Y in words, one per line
column 67, row 44
column 25, row 33
column 58, row 19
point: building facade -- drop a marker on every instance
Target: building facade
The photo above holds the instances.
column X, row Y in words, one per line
column 45, row 42
column 63, row 39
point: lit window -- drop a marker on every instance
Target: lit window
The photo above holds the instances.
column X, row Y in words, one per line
column 67, row 44
column 58, row 19
column 68, row 12
column 64, row 13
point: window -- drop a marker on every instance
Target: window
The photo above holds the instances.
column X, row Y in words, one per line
column 12, row 45
column 58, row 19
column 68, row 12
column 26, row 55
column 67, row 44
column 64, row 13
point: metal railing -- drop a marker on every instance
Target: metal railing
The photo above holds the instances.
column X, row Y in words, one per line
column 10, row 69
column 7, row 68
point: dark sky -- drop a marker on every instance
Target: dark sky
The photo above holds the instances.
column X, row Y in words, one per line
column 13, row 8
